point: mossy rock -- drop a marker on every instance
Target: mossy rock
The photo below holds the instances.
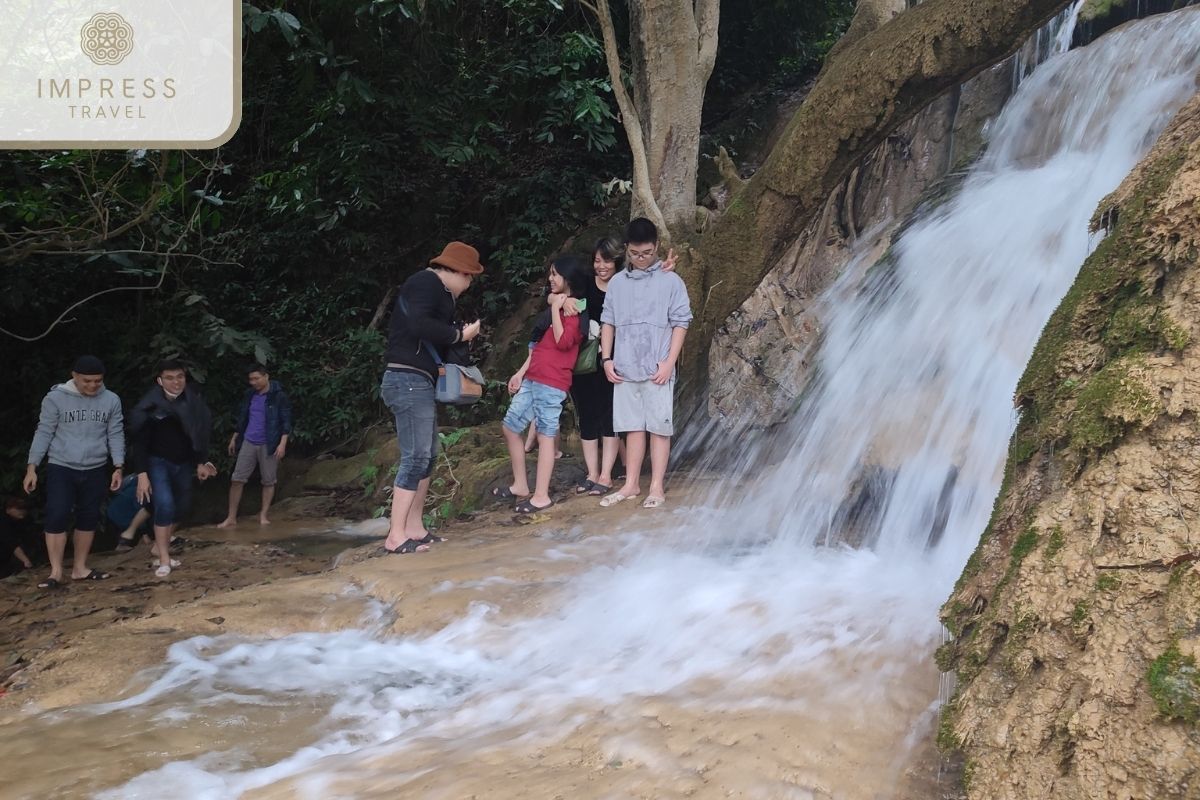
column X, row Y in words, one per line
column 1174, row 682
column 1083, row 382
column 1099, row 9
column 1115, row 399
column 339, row 473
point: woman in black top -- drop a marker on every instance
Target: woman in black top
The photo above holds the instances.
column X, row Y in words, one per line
column 592, row 393
column 422, row 319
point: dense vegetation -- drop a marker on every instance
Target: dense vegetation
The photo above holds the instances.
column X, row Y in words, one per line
column 372, row 131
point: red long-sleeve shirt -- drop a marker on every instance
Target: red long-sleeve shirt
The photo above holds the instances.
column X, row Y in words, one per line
column 553, row 363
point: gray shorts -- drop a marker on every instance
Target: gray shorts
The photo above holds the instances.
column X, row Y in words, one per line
column 644, row 406
column 252, row 455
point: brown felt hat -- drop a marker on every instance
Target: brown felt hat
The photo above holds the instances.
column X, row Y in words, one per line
column 460, row 258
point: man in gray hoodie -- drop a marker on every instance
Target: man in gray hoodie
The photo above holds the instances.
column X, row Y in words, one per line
column 646, row 317
column 80, row 428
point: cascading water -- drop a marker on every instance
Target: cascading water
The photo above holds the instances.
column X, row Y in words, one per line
column 903, row 432
column 900, row 442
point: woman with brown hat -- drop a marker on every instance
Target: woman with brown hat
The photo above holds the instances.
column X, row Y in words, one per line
column 422, row 318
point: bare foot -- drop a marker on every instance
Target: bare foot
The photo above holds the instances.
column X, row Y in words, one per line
column 228, row 522
column 263, row 520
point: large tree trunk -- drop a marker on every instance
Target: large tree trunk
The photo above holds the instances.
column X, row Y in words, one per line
column 865, row 93
column 673, row 44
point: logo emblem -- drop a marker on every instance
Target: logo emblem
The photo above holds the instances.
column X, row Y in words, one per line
column 106, row 38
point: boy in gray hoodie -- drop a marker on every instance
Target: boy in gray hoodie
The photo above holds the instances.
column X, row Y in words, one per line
column 80, row 428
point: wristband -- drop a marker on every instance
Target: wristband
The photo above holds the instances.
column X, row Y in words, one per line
column 605, row 359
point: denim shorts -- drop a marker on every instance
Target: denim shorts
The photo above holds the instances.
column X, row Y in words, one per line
column 74, row 490
column 410, row 397
column 535, row 402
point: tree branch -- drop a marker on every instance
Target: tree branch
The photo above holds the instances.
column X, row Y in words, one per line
column 165, row 255
column 708, row 17
column 630, row 118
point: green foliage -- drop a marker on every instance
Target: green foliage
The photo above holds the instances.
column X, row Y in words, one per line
column 1111, row 401
column 372, row 132
column 1107, row 582
column 944, row 657
column 1054, row 542
column 1174, row 683
column 1023, row 546
column 947, row 738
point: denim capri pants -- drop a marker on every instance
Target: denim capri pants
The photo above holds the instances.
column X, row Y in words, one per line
column 170, row 490
column 410, row 396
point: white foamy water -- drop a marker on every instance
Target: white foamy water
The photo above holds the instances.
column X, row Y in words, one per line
column 913, row 401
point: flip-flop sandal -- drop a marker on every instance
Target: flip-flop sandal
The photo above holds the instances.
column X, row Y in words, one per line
column 614, row 498
column 174, row 564
column 409, row 546
column 505, row 493
column 529, row 508
column 94, row 575
column 599, row 490
column 430, row 538
column 584, row 486
column 50, row 583
column 162, row 571
column 125, row 545
column 654, row 502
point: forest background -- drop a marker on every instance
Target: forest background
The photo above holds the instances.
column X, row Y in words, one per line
column 372, row 132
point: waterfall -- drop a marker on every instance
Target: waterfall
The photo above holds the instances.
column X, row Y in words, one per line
column 896, row 449
column 899, row 442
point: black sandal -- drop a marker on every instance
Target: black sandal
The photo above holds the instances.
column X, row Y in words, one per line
column 529, row 508
column 429, row 538
column 50, row 583
column 584, row 486
column 599, row 490
column 409, row 546
column 94, row 575
column 505, row 493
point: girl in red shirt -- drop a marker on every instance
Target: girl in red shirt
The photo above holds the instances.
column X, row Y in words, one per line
column 540, row 386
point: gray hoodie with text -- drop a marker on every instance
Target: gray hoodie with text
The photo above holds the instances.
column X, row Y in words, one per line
column 77, row 431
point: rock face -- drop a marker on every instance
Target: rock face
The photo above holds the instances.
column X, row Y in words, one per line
column 759, row 360
column 1077, row 622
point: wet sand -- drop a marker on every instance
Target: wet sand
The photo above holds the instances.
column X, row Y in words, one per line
column 813, row 738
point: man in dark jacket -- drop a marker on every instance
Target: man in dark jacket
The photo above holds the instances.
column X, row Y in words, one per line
column 169, row 432
column 264, row 425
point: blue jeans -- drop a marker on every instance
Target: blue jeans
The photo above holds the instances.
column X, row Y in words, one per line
column 410, row 396
column 170, row 489
column 535, row 401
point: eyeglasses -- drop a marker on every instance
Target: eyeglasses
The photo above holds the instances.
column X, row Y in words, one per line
column 643, row 253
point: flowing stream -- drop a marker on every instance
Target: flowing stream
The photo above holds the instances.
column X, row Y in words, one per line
column 744, row 645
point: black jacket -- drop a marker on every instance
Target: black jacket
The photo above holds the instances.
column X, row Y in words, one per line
column 193, row 415
column 429, row 316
